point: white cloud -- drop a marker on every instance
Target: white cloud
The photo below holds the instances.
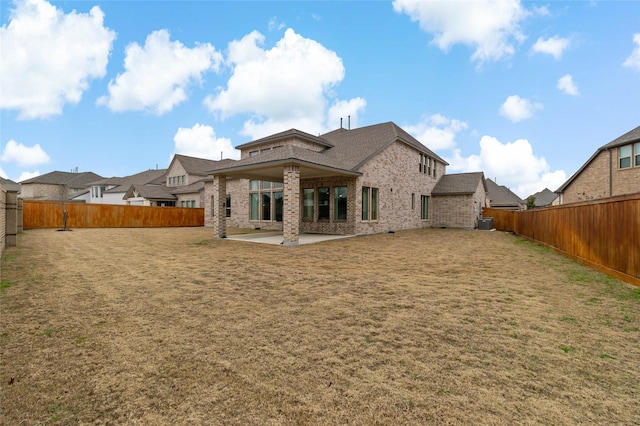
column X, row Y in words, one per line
column 489, row 26
column 48, row 57
column 633, row 61
column 201, row 141
column 511, row 164
column 437, row 131
column 554, row 46
column 14, row 152
column 566, row 85
column 517, row 109
column 287, row 86
column 27, row 175
column 274, row 24
column 158, row 74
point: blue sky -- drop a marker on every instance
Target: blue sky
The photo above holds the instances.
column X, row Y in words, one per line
column 523, row 91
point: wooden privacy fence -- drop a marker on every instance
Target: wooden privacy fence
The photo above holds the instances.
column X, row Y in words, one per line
column 604, row 234
column 49, row 214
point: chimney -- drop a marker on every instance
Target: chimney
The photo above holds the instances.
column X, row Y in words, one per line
column 349, row 123
column 341, row 122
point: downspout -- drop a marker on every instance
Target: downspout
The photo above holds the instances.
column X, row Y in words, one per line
column 610, row 173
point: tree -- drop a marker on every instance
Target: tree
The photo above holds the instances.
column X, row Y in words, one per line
column 531, row 202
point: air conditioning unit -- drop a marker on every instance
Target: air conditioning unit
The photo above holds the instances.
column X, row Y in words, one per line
column 485, row 224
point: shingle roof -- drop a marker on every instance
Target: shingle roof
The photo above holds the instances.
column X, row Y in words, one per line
column 72, row 180
column 122, row 184
column 150, row 192
column 9, row 185
column 500, row 195
column 545, row 197
column 346, row 150
column 631, row 136
column 458, row 184
column 201, row 166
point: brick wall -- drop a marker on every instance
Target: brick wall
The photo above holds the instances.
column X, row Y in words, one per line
column 42, row 190
column 396, row 174
column 3, row 217
column 459, row 211
column 593, row 182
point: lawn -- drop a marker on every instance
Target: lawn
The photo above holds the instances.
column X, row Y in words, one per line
column 169, row 326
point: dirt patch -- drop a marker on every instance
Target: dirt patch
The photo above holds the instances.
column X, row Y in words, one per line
column 169, row 326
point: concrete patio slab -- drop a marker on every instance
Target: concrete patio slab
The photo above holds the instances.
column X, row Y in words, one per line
column 276, row 238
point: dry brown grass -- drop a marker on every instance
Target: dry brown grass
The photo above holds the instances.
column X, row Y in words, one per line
column 168, row 326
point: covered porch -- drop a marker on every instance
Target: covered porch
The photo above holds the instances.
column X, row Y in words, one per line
column 317, row 198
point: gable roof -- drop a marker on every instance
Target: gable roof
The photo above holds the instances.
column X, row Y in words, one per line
column 500, row 195
column 629, row 137
column 122, row 184
column 545, row 197
column 345, row 150
column 200, row 166
column 459, row 184
column 150, row 192
column 72, row 180
column 9, row 185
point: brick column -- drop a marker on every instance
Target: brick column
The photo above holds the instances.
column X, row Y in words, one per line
column 291, row 219
column 219, row 213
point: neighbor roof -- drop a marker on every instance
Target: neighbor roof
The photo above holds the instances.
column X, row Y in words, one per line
column 459, row 184
column 546, row 197
column 500, row 195
column 200, row 166
column 9, row 185
column 122, row 184
column 72, row 180
column 150, row 192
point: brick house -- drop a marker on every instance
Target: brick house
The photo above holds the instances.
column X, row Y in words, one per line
column 614, row 169
column 57, row 185
column 368, row 180
column 458, row 200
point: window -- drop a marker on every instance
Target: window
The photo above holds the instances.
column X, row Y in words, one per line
column 636, row 149
column 254, row 153
column 434, row 168
column 424, row 209
column 193, row 203
column 307, row 203
column 369, row 203
column 253, row 206
column 420, row 163
column 265, row 203
column 625, row 156
column 340, row 203
column 429, row 166
column 413, row 201
column 365, row 203
column 227, row 205
column 323, row 203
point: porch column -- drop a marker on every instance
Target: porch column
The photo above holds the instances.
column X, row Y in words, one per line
column 291, row 219
column 219, row 212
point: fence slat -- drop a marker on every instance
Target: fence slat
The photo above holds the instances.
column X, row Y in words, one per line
column 49, row 214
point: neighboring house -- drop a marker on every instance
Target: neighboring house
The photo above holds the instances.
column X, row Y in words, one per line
column 57, row 185
column 186, row 178
column 614, row 169
column 9, row 185
column 546, row 198
column 359, row 181
column 458, row 200
column 501, row 197
column 112, row 190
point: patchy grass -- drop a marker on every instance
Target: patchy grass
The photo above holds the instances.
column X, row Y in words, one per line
column 172, row 326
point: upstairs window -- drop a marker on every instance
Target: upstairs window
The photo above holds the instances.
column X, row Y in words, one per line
column 625, row 156
column 636, row 149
